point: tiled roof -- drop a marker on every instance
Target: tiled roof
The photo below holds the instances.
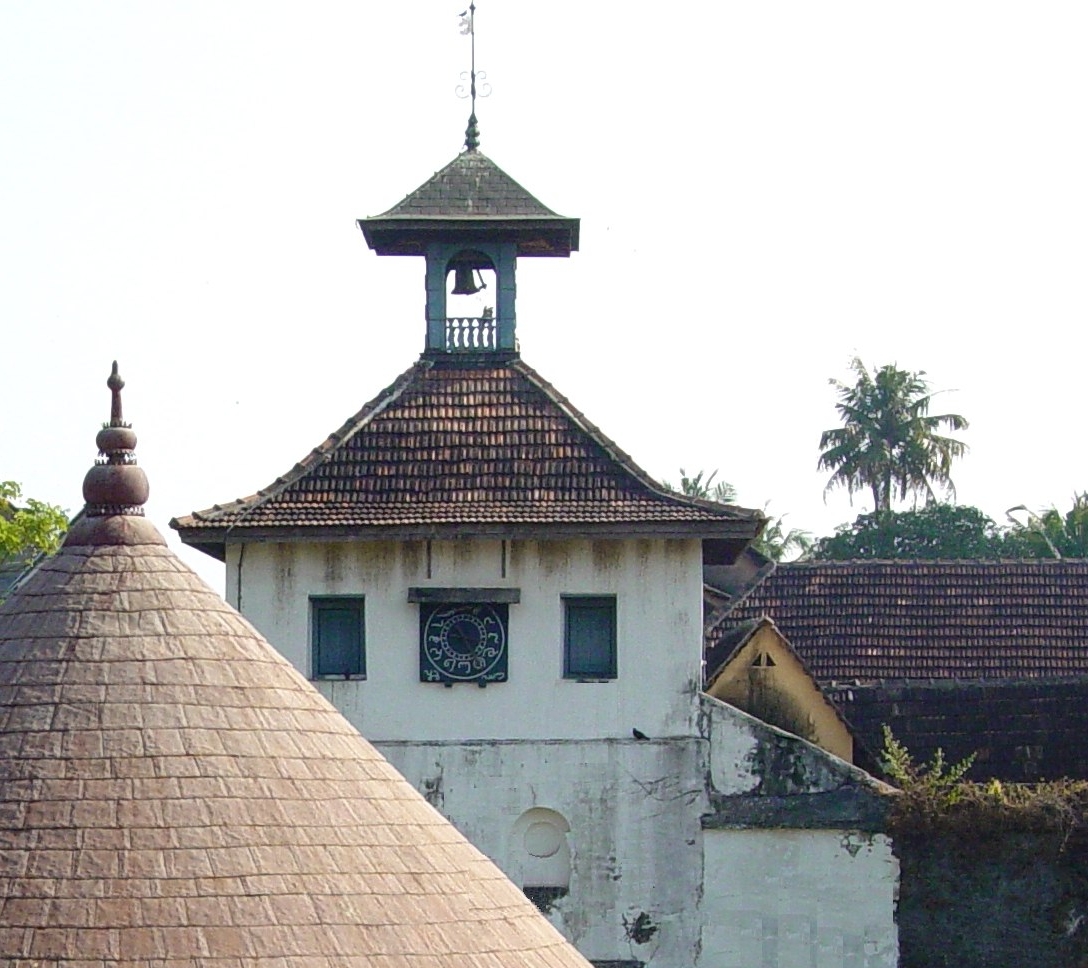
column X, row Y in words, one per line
column 174, row 793
column 1022, row 730
column 723, row 642
column 929, row 619
column 471, row 198
column 469, row 448
column 13, row 570
column 471, row 186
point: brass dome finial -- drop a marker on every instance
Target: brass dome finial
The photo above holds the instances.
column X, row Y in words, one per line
column 115, row 485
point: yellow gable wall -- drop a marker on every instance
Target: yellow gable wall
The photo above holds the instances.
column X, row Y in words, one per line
column 782, row 694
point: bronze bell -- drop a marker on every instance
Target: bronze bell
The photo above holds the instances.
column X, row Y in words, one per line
column 463, row 282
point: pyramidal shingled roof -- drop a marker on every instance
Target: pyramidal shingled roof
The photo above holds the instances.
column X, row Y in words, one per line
column 471, row 186
column 457, row 448
column 471, row 191
column 174, row 793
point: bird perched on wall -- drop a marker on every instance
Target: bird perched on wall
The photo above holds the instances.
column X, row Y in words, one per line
column 639, row 734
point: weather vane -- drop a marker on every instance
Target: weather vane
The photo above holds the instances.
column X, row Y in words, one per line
column 472, row 132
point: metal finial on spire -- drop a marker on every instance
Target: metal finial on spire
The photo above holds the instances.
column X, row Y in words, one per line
column 115, row 489
column 115, row 485
column 116, row 385
column 472, row 132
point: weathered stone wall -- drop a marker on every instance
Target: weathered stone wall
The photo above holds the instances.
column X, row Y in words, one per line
column 798, row 870
column 999, row 900
column 781, row 898
column 631, row 809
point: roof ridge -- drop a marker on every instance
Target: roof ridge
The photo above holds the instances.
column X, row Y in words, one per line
column 426, row 181
column 747, row 630
column 440, row 450
column 320, row 453
column 466, row 160
column 619, row 455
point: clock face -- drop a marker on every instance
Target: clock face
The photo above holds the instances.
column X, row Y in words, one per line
column 462, row 643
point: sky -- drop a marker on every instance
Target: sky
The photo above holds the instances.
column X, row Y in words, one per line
column 765, row 191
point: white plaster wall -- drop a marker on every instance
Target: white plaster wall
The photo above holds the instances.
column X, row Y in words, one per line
column 720, row 898
column 738, row 743
column 657, row 583
column 798, row 899
column 635, row 836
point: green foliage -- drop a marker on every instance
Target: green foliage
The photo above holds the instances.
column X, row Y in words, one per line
column 702, row 485
column 935, row 782
column 889, row 442
column 937, row 799
column 777, row 543
column 931, row 531
column 1051, row 534
column 774, row 541
column 29, row 527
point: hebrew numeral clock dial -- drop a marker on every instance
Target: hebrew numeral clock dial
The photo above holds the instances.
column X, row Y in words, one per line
column 463, row 643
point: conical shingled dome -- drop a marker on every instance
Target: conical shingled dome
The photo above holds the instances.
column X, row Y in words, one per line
column 174, row 793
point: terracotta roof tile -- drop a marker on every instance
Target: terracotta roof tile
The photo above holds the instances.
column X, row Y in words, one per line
column 173, row 792
column 929, row 619
column 724, row 642
column 463, row 445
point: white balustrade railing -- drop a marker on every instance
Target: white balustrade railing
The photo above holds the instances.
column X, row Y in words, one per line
column 470, row 334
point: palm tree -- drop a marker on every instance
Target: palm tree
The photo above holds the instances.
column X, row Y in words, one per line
column 702, row 485
column 1051, row 534
column 774, row 540
column 889, row 442
column 777, row 543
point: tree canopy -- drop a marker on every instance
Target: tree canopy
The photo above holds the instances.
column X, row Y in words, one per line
column 932, row 531
column 775, row 541
column 889, row 443
column 953, row 531
column 702, row 485
column 27, row 527
column 1051, row 534
column 780, row 543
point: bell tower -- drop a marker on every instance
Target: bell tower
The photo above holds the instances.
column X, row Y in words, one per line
column 468, row 221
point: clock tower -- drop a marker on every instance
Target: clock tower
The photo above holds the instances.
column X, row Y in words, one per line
column 469, row 527
column 471, row 222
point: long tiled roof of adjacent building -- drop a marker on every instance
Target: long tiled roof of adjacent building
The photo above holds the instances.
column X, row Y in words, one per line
column 1020, row 730
column 869, row 620
column 455, row 447
column 174, row 793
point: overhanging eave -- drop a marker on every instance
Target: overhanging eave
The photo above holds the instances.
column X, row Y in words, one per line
column 721, row 541
column 534, row 237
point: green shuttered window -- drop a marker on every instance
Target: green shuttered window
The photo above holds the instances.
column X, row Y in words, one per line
column 589, row 637
column 338, row 636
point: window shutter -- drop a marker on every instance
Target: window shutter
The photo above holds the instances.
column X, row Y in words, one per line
column 590, row 639
column 338, row 638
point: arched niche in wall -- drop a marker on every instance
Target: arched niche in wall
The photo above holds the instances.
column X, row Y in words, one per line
column 540, row 852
